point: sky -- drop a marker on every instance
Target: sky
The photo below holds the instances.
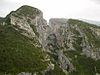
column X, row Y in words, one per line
column 86, row 9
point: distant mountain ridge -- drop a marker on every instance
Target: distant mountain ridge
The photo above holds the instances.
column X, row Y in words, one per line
column 91, row 21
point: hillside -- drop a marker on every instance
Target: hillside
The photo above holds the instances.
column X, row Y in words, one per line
column 75, row 46
column 91, row 21
column 20, row 46
column 28, row 46
column 1, row 18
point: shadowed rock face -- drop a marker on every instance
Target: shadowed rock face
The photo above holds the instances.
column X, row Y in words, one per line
column 26, row 29
column 73, row 36
column 1, row 18
column 70, row 34
column 56, row 42
column 65, row 45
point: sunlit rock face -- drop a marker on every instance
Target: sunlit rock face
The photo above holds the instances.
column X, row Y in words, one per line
column 64, row 46
column 68, row 35
column 32, row 23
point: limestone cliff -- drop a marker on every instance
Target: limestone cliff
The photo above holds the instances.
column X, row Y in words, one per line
column 73, row 40
column 22, row 42
column 28, row 46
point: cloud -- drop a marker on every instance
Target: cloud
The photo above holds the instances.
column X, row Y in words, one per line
column 56, row 8
column 6, row 6
column 96, row 1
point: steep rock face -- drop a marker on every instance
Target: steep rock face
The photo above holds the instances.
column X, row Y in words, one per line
column 31, row 21
column 74, row 36
column 22, row 41
column 69, row 40
column 23, row 35
column 85, row 42
column 32, row 47
column 56, row 43
column 87, row 35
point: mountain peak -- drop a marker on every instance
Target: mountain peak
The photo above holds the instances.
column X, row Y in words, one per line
column 28, row 46
column 28, row 11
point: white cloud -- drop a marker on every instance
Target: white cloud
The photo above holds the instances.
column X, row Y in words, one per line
column 96, row 1
column 56, row 8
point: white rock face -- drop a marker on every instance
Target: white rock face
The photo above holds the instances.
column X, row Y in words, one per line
column 60, row 34
column 22, row 24
column 23, row 73
column 41, row 26
column 97, row 74
column 64, row 61
column 74, row 37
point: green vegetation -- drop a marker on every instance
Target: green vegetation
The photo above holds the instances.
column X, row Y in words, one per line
column 55, row 57
column 17, row 54
column 77, row 40
column 16, row 15
column 65, row 44
column 77, row 43
column 1, row 18
column 28, row 11
column 74, row 31
column 83, row 65
column 92, row 39
column 85, row 28
column 81, row 23
column 6, row 20
column 57, row 70
column 34, row 29
column 55, row 47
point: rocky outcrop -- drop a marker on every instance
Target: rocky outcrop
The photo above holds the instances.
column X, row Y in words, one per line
column 23, row 73
column 68, row 35
column 31, row 25
column 65, row 62
column 67, row 32
column 57, row 40
column 22, row 24
column 28, row 21
column 56, row 43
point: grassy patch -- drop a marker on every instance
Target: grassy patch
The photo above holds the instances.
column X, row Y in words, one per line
column 83, row 65
column 17, row 54
column 34, row 29
column 28, row 11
